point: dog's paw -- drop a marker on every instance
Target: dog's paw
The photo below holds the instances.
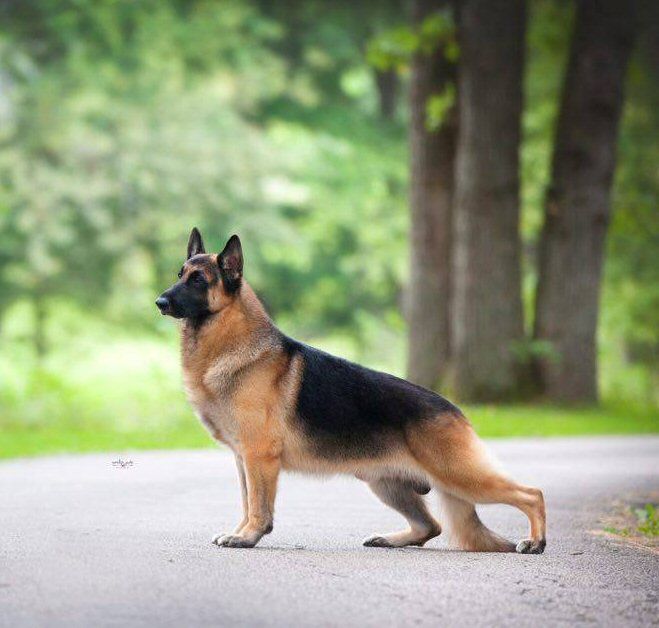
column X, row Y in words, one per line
column 529, row 546
column 232, row 540
column 377, row 541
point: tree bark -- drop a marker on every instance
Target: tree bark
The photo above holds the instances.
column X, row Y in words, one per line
column 431, row 197
column 578, row 200
column 487, row 316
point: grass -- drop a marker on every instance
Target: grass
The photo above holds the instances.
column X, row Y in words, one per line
column 648, row 520
column 542, row 420
column 37, row 441
column 636, row 523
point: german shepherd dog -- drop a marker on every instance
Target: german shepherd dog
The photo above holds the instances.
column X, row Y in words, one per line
column 282, row 405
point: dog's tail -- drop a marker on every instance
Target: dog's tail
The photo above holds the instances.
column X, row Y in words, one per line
column 464, row 529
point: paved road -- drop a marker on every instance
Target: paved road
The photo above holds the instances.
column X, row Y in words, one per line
column 84, row 543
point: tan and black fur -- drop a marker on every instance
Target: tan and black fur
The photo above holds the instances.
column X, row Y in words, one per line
column 282, row 405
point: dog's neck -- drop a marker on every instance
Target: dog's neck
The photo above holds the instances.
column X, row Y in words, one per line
column 238, row 324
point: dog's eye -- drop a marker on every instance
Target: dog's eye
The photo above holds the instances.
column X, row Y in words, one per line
column 180, row 273
column 198, row 279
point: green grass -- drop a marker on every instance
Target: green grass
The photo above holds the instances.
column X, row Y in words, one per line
column 490, row 421
column 542, row 420
column 643, row 521
column 648, row 520
column 43, row 440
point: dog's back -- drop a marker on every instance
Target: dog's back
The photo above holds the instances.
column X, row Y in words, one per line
column 353, row 412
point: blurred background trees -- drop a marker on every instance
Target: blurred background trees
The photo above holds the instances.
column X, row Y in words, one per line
column 396, row 169
column 482, row 240
column 578, row 205
column 432, row 164
column 487, row 319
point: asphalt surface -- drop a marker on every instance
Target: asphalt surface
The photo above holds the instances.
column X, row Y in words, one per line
column 87, row 543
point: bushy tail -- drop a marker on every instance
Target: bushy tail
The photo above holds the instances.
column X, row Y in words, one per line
column 463, row 528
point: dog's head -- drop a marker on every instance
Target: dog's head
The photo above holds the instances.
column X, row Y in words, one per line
column 206, row 282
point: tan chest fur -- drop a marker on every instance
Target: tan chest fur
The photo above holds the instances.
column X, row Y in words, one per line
column 235, row 397
column 214, row 411
column 240, row 383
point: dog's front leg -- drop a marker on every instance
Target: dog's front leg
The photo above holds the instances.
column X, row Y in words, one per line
column 240, row 465
column 261, row 473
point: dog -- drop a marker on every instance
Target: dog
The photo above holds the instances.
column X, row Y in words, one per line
column 279, row 405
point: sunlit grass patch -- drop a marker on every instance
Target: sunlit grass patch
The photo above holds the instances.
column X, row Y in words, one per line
column 544, row 420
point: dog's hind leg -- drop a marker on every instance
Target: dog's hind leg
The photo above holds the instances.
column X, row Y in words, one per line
column 403, row 496
column 467, row 530
column 451, row 453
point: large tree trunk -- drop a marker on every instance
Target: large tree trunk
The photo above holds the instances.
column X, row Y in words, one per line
column 487, row 318
column 578, row 201
column 431, row 197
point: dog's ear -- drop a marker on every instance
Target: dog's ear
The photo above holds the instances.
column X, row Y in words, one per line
column 230, row 261
column 195, row 243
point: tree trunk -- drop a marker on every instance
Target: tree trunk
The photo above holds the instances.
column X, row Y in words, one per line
column 487, row 316
column 431, row 197
column 387, row 84
column 578, row 201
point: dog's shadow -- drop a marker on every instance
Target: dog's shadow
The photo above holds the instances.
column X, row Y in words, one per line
column 361, row 550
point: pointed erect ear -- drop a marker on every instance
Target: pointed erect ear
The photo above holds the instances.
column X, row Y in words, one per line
column 195, row 243
column 230, row 261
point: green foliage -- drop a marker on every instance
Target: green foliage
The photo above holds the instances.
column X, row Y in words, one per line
column 394, row 48
column 127, row 164
column 438, row 106
column 111, row 148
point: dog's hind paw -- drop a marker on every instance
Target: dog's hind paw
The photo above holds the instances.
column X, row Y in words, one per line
column 232, row 540
column 529, row 546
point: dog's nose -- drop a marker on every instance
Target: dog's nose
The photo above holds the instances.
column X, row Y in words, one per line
column 162, row 303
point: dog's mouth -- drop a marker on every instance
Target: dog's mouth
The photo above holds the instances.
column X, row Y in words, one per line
column 167, row 310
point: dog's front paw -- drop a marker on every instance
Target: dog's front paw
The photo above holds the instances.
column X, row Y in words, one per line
column 529, row 546
column 232, row 540
column 377, row 541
